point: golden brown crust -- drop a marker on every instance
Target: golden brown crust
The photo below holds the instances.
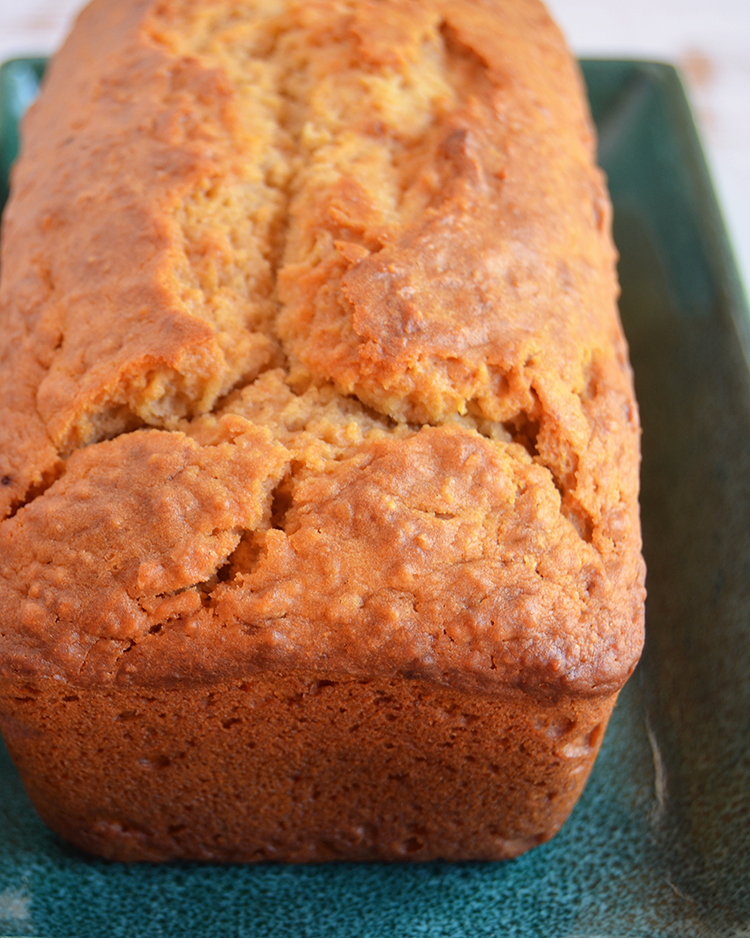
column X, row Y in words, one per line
column 301, row 768
column 313, row 360
column 486, row 288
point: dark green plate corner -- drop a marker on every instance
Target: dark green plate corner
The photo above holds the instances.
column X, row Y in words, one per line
column 659, row 845
column 19, row 85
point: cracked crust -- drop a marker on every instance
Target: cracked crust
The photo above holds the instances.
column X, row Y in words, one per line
column 312, row 358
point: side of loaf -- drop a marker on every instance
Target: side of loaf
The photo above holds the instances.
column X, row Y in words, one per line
column 318, row 445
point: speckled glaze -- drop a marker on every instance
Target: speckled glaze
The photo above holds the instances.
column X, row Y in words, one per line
column 659, row 843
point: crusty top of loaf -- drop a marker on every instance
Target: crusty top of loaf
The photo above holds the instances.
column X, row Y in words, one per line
column 312, row 356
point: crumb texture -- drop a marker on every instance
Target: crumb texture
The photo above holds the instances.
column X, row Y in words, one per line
column 312, row 357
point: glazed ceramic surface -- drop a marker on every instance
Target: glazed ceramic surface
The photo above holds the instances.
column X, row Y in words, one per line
column 659, row 845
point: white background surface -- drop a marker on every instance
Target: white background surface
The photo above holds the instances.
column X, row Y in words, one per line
column 709, row 40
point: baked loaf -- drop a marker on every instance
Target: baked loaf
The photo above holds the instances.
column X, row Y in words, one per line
column 318, row 446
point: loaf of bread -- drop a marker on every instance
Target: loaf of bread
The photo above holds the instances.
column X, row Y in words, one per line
column 318, row 446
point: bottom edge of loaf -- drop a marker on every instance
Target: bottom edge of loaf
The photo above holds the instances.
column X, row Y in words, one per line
column 297, row 768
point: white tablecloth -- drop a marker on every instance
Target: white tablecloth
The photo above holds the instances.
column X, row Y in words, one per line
column 708, row 41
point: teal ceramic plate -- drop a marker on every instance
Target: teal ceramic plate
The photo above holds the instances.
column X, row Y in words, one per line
column 659, row 845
